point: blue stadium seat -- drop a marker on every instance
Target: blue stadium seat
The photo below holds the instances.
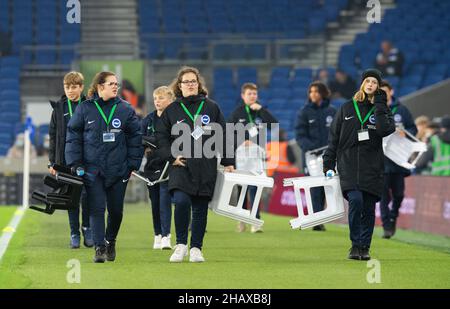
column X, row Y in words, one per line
column 9, row 83
column 247, row 75
column 66, row 57
column 9, row 95
column 10, row 72
column 45, row 57
column 10, row 61
column 10, row 117
column 406, row 90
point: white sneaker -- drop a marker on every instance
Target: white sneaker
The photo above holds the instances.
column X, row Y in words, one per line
column 157, row 242
column 165, row 243
column 179, row 253
column 196, row 256
column 256, row 229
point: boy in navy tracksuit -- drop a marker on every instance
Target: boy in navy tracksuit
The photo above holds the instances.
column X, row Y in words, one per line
column 311, row 132
column 159, row 193
column 394, row 175
column 104, row 138
column 63, row 110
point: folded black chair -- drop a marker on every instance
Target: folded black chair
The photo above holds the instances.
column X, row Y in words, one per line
column 66, row 191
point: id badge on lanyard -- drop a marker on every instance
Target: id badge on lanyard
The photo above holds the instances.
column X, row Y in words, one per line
column 363, row 135
column 197, row 133
column 253, row 131
column 109, row 137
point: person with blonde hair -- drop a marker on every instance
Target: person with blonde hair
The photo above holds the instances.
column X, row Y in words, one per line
column 104, row 144
column 355, row 144
column 158, row 193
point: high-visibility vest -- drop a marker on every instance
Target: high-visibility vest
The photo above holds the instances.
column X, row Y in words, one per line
column 277, row 159
column 441, row 161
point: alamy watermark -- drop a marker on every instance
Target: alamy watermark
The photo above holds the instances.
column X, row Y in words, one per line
column 374, row 274
column 374, row 14
column 74, row 274
column 74, row 13
column 214, row 140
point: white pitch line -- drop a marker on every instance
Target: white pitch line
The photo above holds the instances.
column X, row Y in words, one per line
column 10, row 229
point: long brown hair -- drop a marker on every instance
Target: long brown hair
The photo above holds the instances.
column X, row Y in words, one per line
column 99, row 78
column 175, row 85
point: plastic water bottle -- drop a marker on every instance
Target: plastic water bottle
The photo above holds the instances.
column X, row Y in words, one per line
column 329, row 174
column 80, row 171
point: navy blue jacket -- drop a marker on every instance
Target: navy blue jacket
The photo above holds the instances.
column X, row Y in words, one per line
column 85, row 146
column 313, row 125
column 403, row 119
column 155, row 162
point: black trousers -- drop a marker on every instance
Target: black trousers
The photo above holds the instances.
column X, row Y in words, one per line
column 394, row 190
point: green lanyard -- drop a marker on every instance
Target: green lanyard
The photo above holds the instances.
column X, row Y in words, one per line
column 394, row 110
column 70, row 107
column 193, row 118
column 250, row 118
column 359, row 113
column 103, row 114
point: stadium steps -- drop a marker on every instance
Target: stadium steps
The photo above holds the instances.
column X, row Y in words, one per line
column 344, row 34
column 109, row 25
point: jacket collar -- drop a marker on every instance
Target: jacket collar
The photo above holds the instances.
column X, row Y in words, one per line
column 100, row 101
column 191, row 99
column 325, row 103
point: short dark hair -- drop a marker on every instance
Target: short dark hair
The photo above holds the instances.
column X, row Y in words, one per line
column 385, row 83
column 322, row 88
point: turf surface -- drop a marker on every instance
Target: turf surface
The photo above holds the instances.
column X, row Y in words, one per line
column 278, row 258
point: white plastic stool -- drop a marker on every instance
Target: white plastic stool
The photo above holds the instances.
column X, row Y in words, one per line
column 223, row 190
column 333, row 198
column 400, row 149
column 314, row 161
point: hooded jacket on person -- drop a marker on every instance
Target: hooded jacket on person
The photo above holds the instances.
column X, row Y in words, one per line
column 360, row 164
column 198, row 177
column 85, row 146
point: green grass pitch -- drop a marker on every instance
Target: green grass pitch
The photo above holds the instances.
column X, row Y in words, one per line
column 278, row 258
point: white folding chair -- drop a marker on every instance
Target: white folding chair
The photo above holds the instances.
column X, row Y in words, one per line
column 404, row 151
column 314, row 161
column 164, row 176
column 333, row 197
column 226, row 182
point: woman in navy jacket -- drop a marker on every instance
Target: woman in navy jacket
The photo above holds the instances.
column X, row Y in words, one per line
column 104, row 139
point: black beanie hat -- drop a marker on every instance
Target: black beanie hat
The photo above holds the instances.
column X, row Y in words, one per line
column 372, row 73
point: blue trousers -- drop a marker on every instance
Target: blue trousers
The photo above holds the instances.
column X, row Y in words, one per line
column 74, row 215
column 184, row 203
column 361, row 216
column 161, row 208
column 318, row 198
column 250, row 198
column 101, row 198
column 394, row 186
